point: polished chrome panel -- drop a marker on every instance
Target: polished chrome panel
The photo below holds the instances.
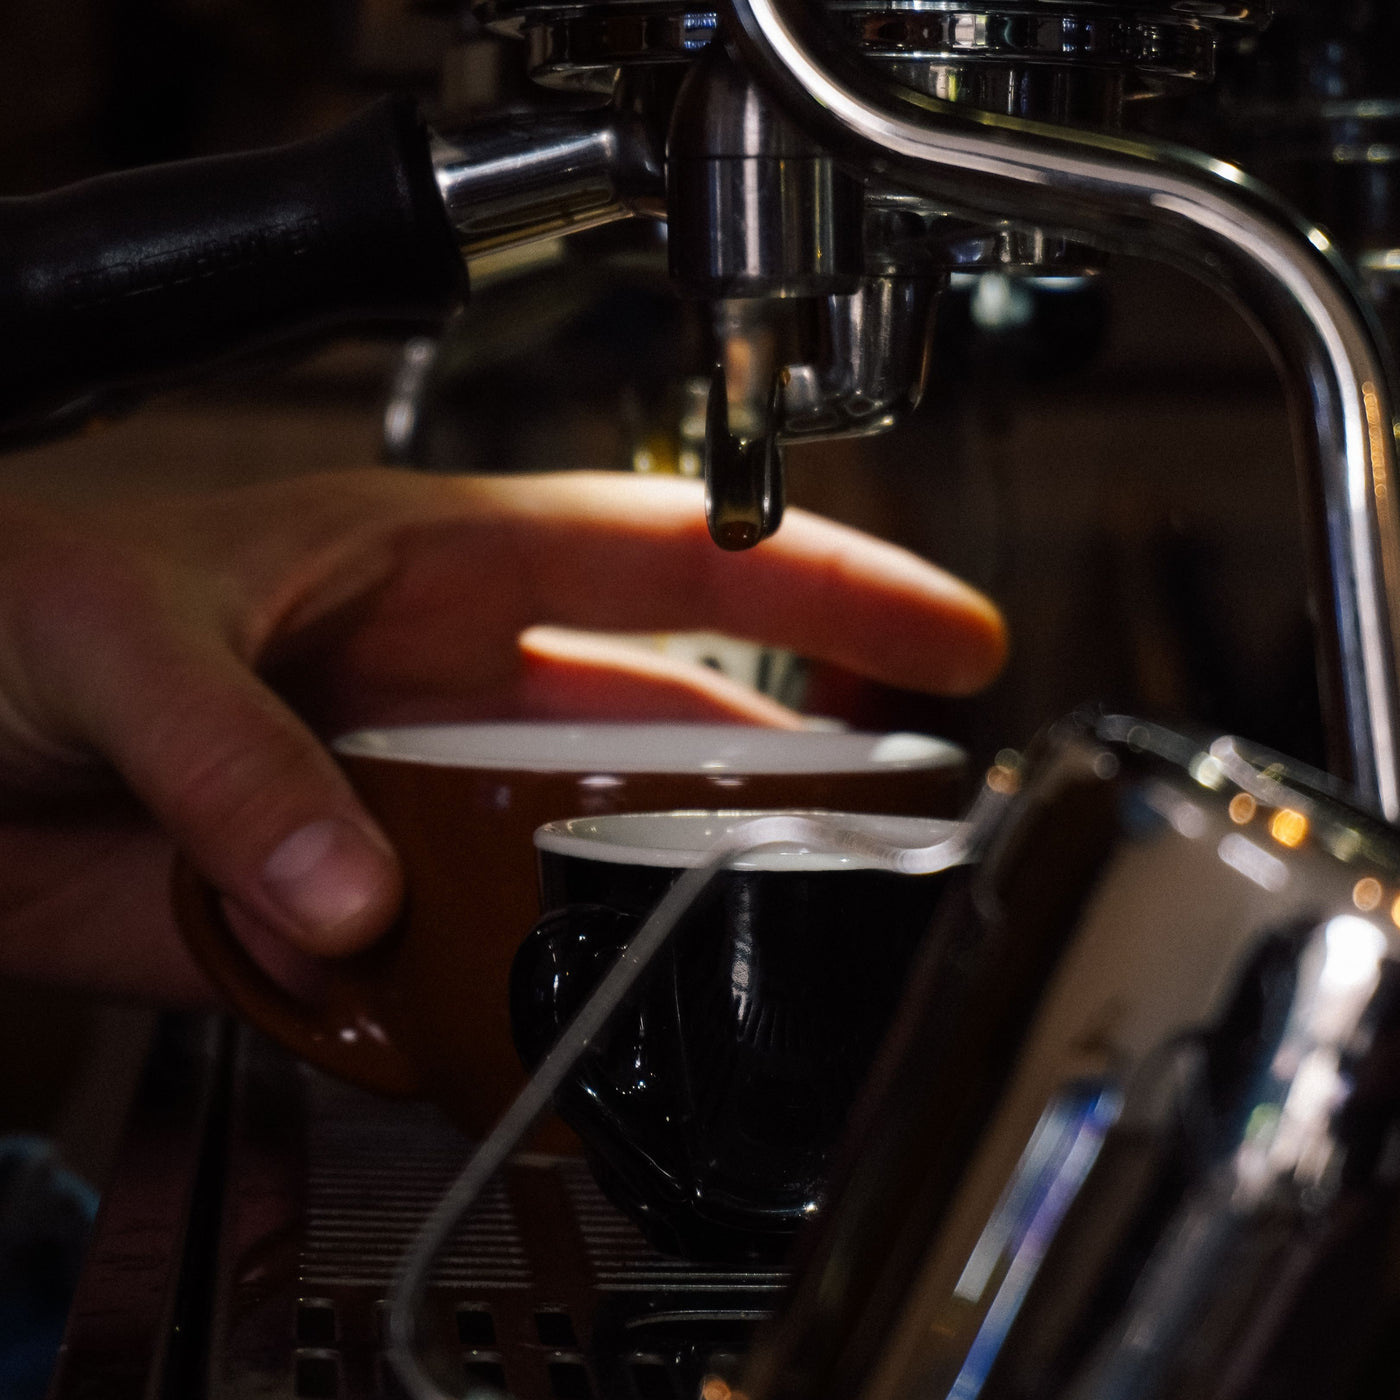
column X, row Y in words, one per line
column 1137, row 1131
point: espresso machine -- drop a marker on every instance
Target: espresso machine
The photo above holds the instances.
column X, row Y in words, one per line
column 824, row 173
column 821, row 181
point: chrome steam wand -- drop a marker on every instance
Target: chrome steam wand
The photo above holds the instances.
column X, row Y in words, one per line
column 1214, row 222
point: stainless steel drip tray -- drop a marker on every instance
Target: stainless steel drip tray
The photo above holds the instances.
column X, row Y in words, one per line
column 547, row 1292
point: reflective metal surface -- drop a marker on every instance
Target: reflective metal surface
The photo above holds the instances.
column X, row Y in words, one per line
column 957, row 44
column 789, row 371
column 872, row 372
column 758, row 206
column 1138, row 1134
column 522, row 178
column 760, row 216
column 755, row 206
column 842, row 366
column 1033, row 187
column 1211, row 219
column 743, row 469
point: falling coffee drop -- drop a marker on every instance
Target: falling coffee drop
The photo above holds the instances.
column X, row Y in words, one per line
column 743, row 473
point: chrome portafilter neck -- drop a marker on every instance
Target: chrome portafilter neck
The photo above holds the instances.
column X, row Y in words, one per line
column 763, row 225
column 743, row 467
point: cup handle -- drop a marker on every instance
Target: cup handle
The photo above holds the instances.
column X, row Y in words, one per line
column 556, row 968
column 335, row 1037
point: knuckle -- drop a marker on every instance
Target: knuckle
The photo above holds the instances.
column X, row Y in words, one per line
column 234, row 796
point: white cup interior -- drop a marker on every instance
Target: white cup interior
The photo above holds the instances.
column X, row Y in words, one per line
column 681, row 840
column 650, row 748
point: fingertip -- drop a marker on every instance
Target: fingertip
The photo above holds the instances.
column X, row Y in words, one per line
column 884, row 610
column 335, row 884
column 983, row 650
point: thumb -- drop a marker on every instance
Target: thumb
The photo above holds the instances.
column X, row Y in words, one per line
column 239, row 783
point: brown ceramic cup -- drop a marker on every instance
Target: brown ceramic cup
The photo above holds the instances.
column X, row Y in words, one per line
column 425, row 1011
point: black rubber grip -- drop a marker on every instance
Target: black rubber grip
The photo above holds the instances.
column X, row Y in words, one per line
column 135, row 277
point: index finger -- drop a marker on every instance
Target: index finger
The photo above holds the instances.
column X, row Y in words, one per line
column 611, row 552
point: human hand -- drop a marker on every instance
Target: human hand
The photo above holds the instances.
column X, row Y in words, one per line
column 164, row 670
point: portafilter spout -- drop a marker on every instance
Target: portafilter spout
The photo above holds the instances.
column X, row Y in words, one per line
column 813, row 339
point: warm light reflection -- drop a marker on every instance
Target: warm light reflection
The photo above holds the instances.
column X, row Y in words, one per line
column 1395, row 912
column 1376, row 425
column 1242, row 808
column 1366, row 894
column 714, row 1388
column 1003, row 779
column 1288, row 827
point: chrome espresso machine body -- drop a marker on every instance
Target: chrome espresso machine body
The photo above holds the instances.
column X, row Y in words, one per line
column 828, row 168
column 822, row 170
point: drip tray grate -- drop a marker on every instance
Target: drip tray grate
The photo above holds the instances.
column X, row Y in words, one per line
column 546, row 1293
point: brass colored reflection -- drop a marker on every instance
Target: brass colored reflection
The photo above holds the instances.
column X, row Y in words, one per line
column 1288, row 827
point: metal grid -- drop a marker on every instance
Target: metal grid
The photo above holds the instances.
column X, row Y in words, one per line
column 547, row 1292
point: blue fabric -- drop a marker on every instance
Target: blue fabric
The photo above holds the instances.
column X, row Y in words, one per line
column 46, row 1216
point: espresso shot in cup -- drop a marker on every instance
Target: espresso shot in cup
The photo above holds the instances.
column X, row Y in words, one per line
column 711, row 1105
column 424, row 1012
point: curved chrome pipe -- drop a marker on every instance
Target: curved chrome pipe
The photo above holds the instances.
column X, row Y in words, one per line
column 1213, row 221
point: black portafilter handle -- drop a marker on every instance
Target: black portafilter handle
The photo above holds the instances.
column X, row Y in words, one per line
column 135, row 277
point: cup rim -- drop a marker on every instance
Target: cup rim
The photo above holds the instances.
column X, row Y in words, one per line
column 554, row 746
column 620, row 838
